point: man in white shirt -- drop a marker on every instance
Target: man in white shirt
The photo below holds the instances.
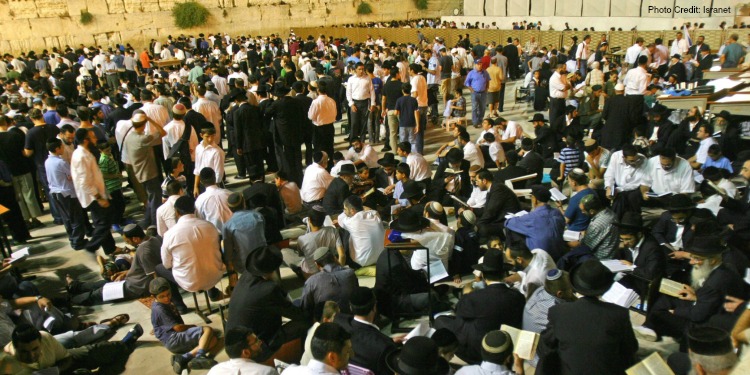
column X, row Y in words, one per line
column 175, row 130
column 331, row 347
column 212, row 204
column 419, row 168
column 632, row 53
column 679, row 45
column 478, row 198
column 243, row 349
column 360, row 152
column 210, row 110
column 157, row 115
column 419, row 91
column 558, row 92
column 625, row 180
column 669, row 173
column 91, row 192
column 582, row 55
column 165, row 214
column 190, row 253
column 531, row 267
column 704, row 133
column 207, row 154
column 323, row 114
column 365, row 229
column 316, row 180
column 637, row 79
column 360, row 94
column 472, row 153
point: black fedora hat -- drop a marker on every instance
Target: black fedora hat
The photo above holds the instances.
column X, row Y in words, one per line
column 347, row 169
column 706, row 245
column 280, row 89
column 538, row 117
column 410, row 221
column 454, row 155
column 658, row 109
column 630, row 220
column 494, row 262
column 680, row 202
column 419, row 356
column 263, row 260
column 412, row 189
column 388, row 160
column 591, row 278
column 724, row 114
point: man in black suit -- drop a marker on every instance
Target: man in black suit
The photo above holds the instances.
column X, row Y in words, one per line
column 587, row 336
column 698, row 46
column 618, row 126
column 485, row 309
column 458, row 184
column 711, row 282
column 531, row 160
column 265, row 102
column 258, row 185
column 567, row 125
column 501, row 201
column 369, row 344
column 511, row 52
column 396, row 282
column 512, row 171
column 248, row 126
column 546, row 139
column 641, row 250
column 339, row 190
column 259, row 303
column 300, row 88
column 288, row 119
column 679, row 210
column 705, row 62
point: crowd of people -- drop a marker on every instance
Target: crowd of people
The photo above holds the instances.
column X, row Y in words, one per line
column 510, row 249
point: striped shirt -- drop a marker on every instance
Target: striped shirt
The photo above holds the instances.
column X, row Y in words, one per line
column 108, row 165
column 571, row 157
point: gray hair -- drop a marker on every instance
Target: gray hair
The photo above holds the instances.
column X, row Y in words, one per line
column 714, row 363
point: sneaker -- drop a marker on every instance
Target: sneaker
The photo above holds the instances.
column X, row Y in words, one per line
column 201, row 363
column 137, row 331
column 645, row 333
column 179, row 363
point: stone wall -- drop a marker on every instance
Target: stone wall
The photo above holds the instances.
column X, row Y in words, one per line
column 40, row 24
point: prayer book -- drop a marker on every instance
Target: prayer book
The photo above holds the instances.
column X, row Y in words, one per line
column 367, row 193
column 620, row 295
column 524, row 342
column 517, row 214
column 422, row 329
column 658, row 195
column 557, row 195
column 571, row 235
column 452, row 171
column 468, row 279
column 615, row 265
column 459, row 201
column 437, row 271
column 671, row 288
column 19, row 255
column 113, row 291
column 652, row 365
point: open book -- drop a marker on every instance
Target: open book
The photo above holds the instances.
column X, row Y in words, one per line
column 571, row 235
column 459, row 201
column 615, row 265
column 422, row 329
column 620, row 295
column 437, row 270
column 367, row 193
column 468, row 279
column 524, row 342
column 557, row 195
column 658, row 195
column 19, row 255
column 452, row 171
column 671, row 287
column 113, row 291
column 652, row 365
column 517, row 214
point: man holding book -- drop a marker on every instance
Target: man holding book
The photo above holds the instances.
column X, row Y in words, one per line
column 695, row 304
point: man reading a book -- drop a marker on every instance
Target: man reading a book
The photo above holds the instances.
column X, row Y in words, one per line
column 699, row 302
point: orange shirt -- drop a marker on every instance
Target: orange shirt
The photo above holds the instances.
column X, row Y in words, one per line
column 145, row 60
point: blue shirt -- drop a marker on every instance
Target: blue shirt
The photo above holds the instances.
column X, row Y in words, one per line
column 578, row 221
column 51, row 117
column 58, row 176
column 722, row 163
column 164, row 318
column 407, row 105
column 477, row 80
column 543, row 228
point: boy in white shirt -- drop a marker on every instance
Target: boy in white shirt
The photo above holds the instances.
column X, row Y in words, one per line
column 207, row 154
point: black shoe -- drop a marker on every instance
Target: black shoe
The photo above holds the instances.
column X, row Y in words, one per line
column 183, row 310
column 386, row 149
column 238, row 177
column 179, row 363
column 201, row 363
column 137, row 331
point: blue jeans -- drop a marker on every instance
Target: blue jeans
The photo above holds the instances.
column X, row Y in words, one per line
column 407, row 135
column 478, row 106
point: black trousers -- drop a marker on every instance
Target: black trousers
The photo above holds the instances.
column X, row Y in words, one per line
column 73, row 217
column 289, row 158
column 13, row 218
column 323, row 139
column 117, row 204
column 359, row 118
column 101, row 235
column 153, row 190
column 110, row 357
column 556, row 108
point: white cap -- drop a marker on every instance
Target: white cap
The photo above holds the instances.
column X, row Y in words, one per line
column 619, row 87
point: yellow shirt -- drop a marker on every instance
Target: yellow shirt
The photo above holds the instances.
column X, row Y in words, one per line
column 496, row 78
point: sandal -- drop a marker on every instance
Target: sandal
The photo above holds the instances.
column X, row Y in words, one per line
column 117, row 321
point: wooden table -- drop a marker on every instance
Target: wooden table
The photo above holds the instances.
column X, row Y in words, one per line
column 170, row 62
column 684, row 102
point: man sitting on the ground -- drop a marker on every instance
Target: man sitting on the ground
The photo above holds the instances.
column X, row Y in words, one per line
column 333, row 282
column 243, row 349
column 365, row 232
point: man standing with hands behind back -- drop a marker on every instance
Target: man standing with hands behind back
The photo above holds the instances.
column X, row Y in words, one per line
column 477, row 81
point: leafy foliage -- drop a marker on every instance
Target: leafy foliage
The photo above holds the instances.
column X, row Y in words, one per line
column 190, row 14
column 421, row 4
column 86, row 17
column 364, row 8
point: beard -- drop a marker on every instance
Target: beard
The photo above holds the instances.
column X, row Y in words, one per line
column 699, row 274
